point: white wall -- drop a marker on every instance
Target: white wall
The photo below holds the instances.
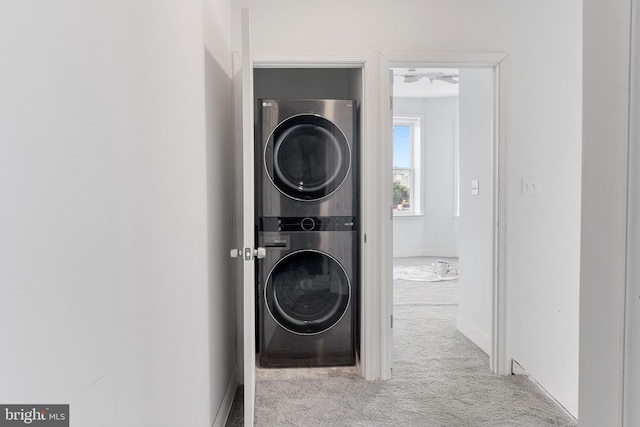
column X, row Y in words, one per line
column 432, row 233
column 476, row 211
column 105, row 268
column 545, row 142
column 604, row 211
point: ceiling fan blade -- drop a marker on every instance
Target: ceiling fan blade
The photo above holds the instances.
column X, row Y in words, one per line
column 449, row 80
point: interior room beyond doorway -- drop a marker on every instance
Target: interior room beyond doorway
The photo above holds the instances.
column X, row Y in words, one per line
column 444, row 188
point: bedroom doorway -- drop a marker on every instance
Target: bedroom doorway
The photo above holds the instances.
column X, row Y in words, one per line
column 443, row 208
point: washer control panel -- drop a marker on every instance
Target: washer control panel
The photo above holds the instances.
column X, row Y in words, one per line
column 332, row 223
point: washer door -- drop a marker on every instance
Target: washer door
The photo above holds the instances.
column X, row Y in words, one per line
column 307, row 157
column 307, row 292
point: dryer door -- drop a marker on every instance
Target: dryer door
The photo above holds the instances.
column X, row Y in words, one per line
column 307, row 292
column 307, row 157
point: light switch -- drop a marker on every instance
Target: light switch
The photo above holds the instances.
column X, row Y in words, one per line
column 475, row 187
column 531, row 186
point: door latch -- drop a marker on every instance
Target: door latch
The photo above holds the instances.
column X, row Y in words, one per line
column 249, row 253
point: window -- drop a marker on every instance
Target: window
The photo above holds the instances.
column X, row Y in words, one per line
column 406, row 165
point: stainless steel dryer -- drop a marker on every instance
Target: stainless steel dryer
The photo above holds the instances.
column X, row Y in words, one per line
column 307, row 288
column 306, row 156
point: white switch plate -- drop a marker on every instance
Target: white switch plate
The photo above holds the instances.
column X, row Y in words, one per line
column 531, row 186
column 475, row 187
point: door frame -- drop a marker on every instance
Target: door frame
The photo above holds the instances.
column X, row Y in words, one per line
column 631, row 350
column 500, row 62
column 367, row 360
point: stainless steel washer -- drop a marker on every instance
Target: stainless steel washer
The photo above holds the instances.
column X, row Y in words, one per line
column 307, row 287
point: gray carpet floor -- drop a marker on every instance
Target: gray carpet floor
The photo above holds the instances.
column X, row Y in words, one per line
column 440, row 378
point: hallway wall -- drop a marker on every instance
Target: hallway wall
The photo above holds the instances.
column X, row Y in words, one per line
column 105, row 261
column 476, row 222
column 605, row 236
column 544, row 142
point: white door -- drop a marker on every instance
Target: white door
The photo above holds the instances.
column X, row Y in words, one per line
column 245, row 252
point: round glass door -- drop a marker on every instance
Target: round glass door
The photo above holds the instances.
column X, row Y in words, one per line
column 307, row 157
column 307, row 292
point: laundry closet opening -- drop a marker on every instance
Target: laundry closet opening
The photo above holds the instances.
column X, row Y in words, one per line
column 307, row 218
column 443, row 207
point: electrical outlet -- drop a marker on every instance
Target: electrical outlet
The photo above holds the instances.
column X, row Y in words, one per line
column 531, row 186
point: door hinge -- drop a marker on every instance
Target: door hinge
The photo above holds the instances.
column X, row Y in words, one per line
column 391, row 322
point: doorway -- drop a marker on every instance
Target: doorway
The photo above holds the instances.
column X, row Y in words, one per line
column 444, row 193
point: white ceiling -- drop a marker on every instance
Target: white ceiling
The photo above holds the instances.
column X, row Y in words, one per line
column 424, row 87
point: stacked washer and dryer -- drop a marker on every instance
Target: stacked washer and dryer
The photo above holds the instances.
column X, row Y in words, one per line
column 306, row 211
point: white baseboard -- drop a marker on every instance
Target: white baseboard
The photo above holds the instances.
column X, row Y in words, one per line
column 517, row 369
column 227, row 401
column 444, row 253
column 478, row 337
